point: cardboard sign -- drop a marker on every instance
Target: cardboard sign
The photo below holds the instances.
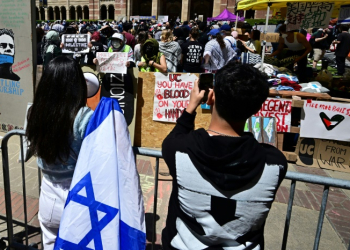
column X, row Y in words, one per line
column 263, row 129
column 326, row 120
column 76, row 43
column 171, row 95
column 326, row 154
column 112, row 62
column 344, row 14
column 16, row 62
column 280, row 109
column 308, row 14
column 270, row 37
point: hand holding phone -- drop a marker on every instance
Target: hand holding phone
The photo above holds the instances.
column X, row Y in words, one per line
column 206, row 82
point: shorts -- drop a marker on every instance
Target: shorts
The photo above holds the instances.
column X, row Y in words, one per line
column 318, row 54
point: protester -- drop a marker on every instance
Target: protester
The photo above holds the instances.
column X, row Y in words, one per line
column 217, row 52
column 224, row 181
column 142, row 37
column 171, row 50
column 56, row 127
column 253, row 45
column 203, row 33
column 297, row 45
column 96, row 46
column 192, row 53
column 130, row 39
column 50, row 47
column 343, row 48
column 152, row 59
column 118, row 44
column 319, row 42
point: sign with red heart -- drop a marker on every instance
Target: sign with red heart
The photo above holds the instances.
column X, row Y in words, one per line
column 326, row 120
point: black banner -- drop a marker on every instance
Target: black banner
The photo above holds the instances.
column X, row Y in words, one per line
column 76, row 43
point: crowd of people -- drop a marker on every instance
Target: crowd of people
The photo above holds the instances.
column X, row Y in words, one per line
column 224, row 181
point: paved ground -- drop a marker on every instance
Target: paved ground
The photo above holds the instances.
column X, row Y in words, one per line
column 335, row 232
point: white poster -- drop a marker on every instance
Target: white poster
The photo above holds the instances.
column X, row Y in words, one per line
column 76, row 43
column 279, row 108
column 171, row 95
column 16, row 62
column 163, row 19
column 326, row 120
column 112, row 62
column 308, row 15
column 344, row 15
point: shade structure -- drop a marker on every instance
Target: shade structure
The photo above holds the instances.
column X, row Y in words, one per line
column 262, row 4
column 225, row 16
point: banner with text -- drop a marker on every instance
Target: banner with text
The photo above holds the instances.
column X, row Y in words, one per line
column 344, row 14
column 112, row 62
column 76, row 43
column 16, row 62
column 279, row 108
column 308, row 15
column 326, row 120
column 171, row 95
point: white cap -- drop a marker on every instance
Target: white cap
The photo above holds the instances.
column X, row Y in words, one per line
column 118, row 36
column 92, row 84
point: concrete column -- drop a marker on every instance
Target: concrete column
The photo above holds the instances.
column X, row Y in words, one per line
column 155, row 8
column 185, row 10
column 217, row 6
column 76, row 13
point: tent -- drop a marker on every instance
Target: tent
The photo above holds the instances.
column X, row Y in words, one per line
column 225, row 16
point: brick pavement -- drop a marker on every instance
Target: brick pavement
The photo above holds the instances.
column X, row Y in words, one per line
column 337, row 211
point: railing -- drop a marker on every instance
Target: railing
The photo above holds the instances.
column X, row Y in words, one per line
column 327, row 182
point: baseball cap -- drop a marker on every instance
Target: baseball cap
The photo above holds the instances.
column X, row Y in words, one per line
column 225, row 27
column 214, row 32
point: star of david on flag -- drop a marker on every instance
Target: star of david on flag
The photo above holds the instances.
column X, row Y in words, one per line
column 104, row 207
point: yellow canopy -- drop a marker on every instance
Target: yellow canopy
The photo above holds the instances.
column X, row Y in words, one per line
column 262, row 4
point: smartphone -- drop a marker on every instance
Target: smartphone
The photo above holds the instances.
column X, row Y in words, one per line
column 206, row 82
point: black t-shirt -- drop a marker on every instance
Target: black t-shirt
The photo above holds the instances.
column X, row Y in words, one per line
column 323, row 44
column 88, row 58
column 192, row 53
column 343, row 47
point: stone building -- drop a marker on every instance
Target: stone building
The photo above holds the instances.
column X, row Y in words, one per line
column 117, row 9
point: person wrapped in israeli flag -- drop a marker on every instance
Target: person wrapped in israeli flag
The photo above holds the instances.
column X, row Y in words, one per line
column 104, row 208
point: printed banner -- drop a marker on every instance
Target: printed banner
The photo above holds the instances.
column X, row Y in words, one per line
column 344, row 15
column 308, row 15
column 76, row 43
column 279, row 108
column 327, row 154
column 171, row 95
column 112, row 62
column 326, row 120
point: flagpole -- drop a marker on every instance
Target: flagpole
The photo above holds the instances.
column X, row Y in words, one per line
column 265, row 31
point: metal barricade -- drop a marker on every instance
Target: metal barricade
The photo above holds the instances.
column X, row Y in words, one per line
column 327, row 182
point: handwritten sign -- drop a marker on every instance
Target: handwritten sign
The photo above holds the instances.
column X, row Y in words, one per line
column 76, row 43
column 171, row 95
column 344, row 14
column 270, row 37
column 308, row 15
column 327, row 154
column 280, row 109
column 326, row 120
column 112, row 62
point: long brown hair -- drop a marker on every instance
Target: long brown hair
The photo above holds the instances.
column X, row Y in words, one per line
column 220, row 40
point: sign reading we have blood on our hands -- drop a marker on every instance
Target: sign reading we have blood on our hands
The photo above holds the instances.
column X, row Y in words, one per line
column 280, row 109
column 171, row 95
column 326, row 120
column 112, row 62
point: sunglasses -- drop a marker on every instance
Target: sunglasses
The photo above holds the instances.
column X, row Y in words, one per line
column 4, row 45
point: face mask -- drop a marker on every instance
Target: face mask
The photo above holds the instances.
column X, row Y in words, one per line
column 116, row 44
column 149, row 51
column 209, row 38
column 6, row 59
column 284, row 35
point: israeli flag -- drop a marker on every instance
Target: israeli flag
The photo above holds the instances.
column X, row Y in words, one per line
column 104, row 208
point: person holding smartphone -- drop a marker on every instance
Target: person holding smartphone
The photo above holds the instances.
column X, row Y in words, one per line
column 224, row 181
